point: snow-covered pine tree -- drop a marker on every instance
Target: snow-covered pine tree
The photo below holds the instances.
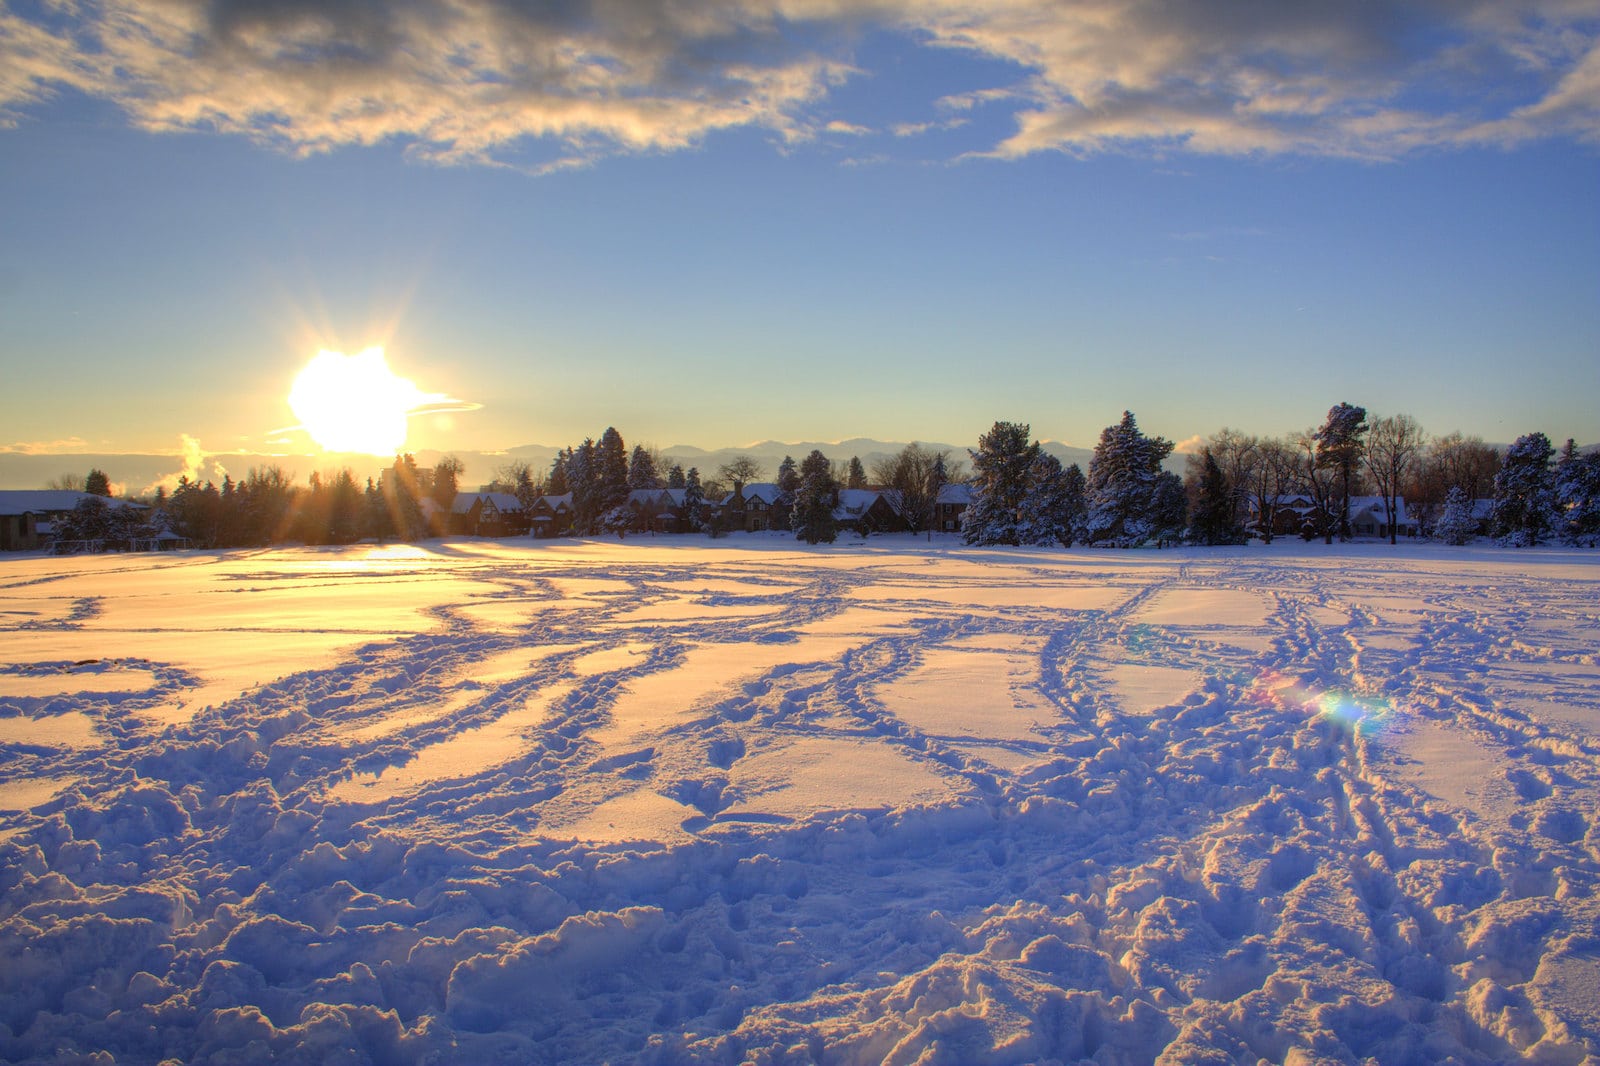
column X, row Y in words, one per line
column 1045, row 516
column 1000, row 472
column 1455, row 524
column 1524, row 492
column 694, row 501
column 642, row 469
column 811, row 518
column 1076, row 491
column 676, row 478
column 857, row 477
column 1577, row 490
column 1123, row 506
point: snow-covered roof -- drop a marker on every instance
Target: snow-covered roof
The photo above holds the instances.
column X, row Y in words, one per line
column 765, row 491
column 656, row 497
column 51, row 501
column 1373, row 505
column 557, row 502
column 503, row 501
column 955, row 492
column 853, row 503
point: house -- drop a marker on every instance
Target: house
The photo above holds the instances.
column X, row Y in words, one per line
column 952, row 501
column 488, row 514
column 28, row 517
column 658, row 510
column 1291, row 512
column 755, row 507
column 865, row 511
column 551, row 516
column 1369, row 517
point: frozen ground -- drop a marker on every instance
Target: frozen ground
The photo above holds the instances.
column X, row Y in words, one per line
column 736, row 802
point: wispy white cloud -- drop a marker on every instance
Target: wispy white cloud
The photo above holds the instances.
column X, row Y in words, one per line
column 484, row 81
column 64, row 446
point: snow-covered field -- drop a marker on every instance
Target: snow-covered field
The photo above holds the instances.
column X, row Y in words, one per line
column 732, row 801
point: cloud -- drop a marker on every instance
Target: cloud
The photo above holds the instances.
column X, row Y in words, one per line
column 552, row 86
column 65, row 446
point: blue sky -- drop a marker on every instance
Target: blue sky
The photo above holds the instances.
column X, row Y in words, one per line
column 903, row 221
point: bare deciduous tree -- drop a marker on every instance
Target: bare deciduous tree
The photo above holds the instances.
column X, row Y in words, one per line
column 909, row 484
column 1393, row 445
column 744, row 469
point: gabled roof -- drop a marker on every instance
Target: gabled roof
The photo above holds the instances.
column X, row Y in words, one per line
column 765, row 491
column 504, row 502
column 955, row 492
column 1374, row 505
column 853, row 503
column 51, row 501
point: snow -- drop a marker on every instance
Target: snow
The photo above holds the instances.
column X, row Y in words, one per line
column 672, row 800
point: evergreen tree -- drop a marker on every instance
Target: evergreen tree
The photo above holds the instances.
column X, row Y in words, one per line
column 557, row 484
column 376, row 521
column 446, row 477
column 97, row 483
column 811, row 518
column 89, row 521
column 1045, row 516
column 267, row 492
column 1456, row 525
column 1126, row 498
column 404, row 490
column 1000, row 475
column 583, row 481
column 642, row 469
column 788, row 478
column 1524, row 492
column 676, row 479
column 1169, row 507
column 1339, row 446
column 1076, row 497
column 857, row 477
column 694, row 501
column 613, row 470
column 1215, row 520
column 344, row 509
column 1577, row 489
column 526, row 491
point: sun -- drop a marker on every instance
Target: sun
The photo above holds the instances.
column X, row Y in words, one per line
column 354, row 403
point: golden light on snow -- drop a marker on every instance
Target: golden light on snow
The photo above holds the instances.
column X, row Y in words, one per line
column 355, row 403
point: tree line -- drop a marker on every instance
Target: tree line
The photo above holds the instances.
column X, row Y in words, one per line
column 1236, row 486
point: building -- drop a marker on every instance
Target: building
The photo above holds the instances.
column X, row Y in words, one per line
column 951, row 503
column 755, row 507
column 28, row 517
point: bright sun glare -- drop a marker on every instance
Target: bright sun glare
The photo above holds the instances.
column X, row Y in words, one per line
column 354, row 403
